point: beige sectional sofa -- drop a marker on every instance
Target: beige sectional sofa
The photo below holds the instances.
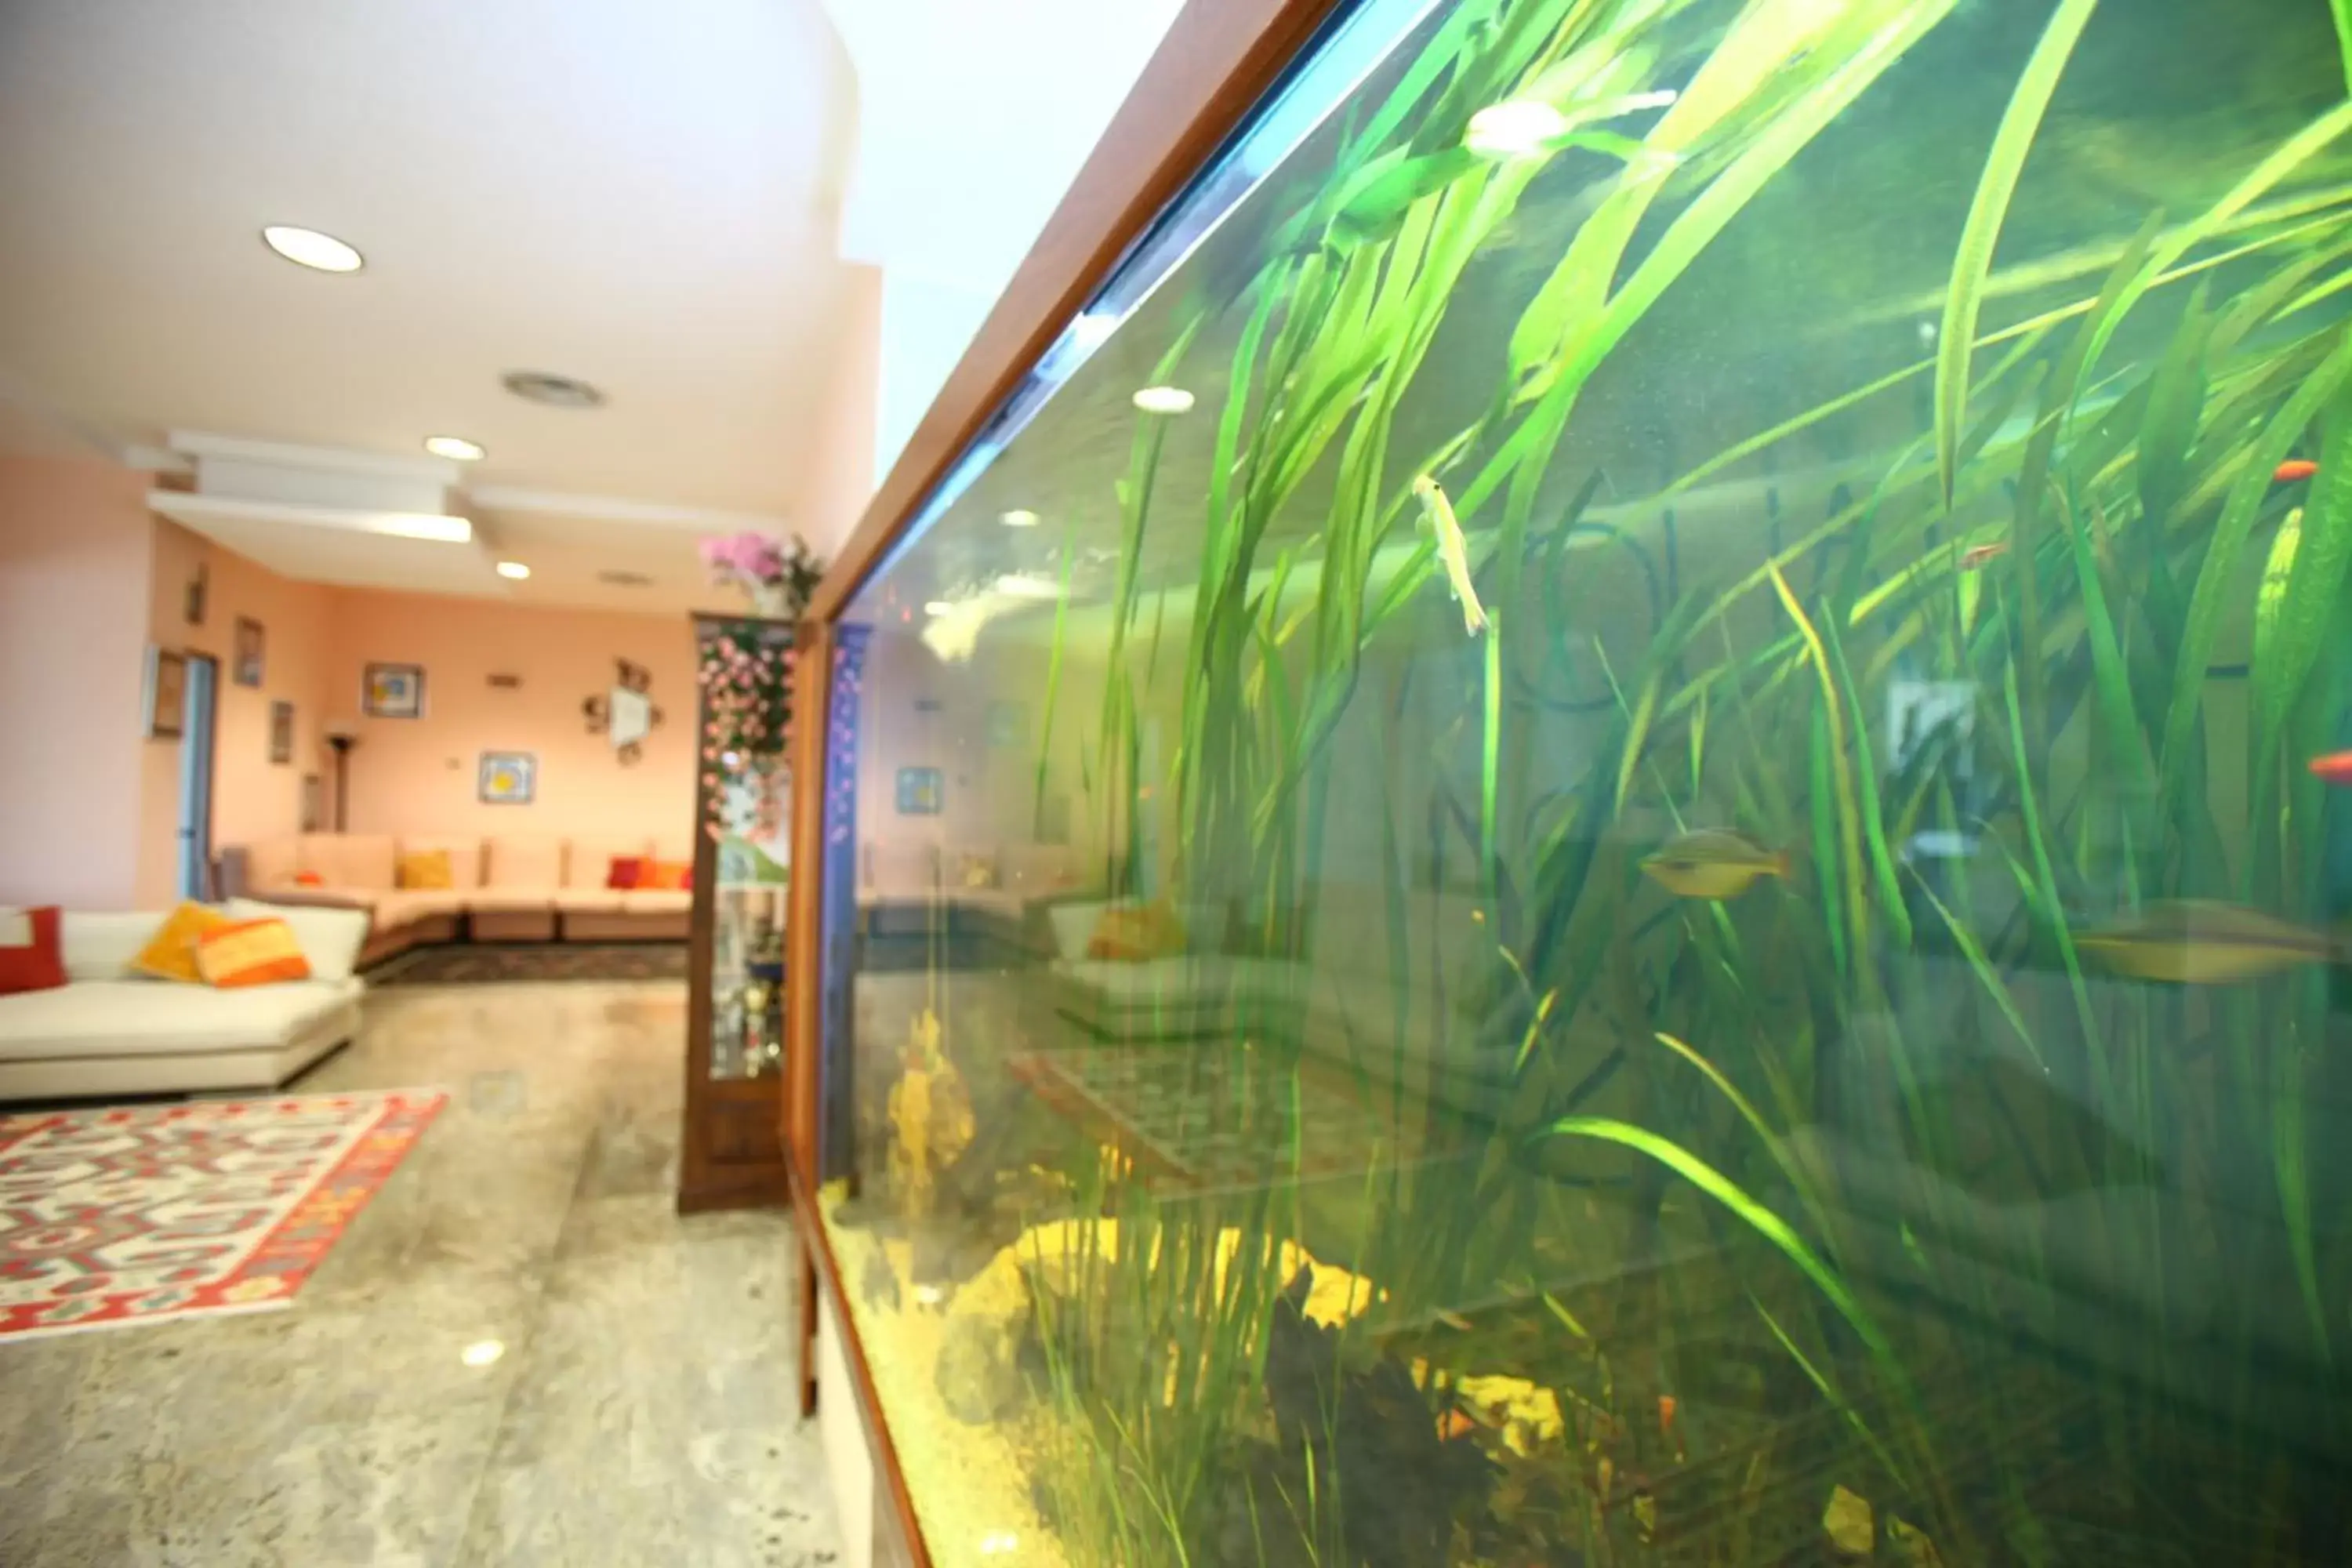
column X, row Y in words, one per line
column 108, row 1031
column 506, row 887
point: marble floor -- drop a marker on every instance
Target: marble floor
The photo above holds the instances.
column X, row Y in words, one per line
column 644, row 1411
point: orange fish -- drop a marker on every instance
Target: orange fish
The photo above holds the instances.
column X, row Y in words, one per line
column 2294, row 468
column 1982, row 554
column 1455, row 1424
column 2334, row 768
column 1666, row 1415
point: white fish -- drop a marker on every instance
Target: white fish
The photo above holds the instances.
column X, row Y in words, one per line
column 1453, row 550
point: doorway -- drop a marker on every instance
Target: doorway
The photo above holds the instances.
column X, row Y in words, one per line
column 197, row 714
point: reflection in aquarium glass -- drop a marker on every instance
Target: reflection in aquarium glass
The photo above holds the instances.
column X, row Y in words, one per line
column 1625, row 840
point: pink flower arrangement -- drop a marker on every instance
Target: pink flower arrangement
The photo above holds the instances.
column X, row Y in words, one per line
column 777, row 577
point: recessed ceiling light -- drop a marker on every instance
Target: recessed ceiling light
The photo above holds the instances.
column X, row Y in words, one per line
column 309, row 247
column 1164, row 400
column 1014, row 585
column 1019, row 517
column 457, row 449
column 938, row 608
column 515, row 571
column 482, row 1353
column 555, row 391
column 1514, row 129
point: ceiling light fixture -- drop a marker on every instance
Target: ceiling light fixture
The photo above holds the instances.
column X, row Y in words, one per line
column 1164, row 400
column 309, row 247
column 555, row 391
column 938, row 608
column 482, row 1353
column 457, row 449
column 513, row 570
column 1019, row 517
column 1514, row 129
column 1014, row 585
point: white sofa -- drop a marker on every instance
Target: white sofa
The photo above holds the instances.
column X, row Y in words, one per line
column 109, row 1031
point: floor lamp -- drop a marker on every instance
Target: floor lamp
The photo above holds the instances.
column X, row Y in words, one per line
column 343, row 737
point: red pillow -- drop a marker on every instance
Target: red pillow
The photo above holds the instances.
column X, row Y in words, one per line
column 626, row 872
column 38, row 963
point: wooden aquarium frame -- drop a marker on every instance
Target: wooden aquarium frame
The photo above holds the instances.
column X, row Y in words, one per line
column 1217, row 61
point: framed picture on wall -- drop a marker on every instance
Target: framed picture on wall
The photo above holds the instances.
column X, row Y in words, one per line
column 167, row 692
column 200, row 585
column 245, row 668
column 393, row 691
column 508, row 778
column 923, row 791
column 281, row 733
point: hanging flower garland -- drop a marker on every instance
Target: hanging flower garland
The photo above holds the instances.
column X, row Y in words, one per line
column 746, row 677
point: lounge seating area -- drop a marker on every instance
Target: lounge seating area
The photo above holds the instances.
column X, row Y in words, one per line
column 111, row 1029
column 418, row 891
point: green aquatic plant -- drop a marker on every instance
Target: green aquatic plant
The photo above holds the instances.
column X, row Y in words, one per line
column 2065, row 535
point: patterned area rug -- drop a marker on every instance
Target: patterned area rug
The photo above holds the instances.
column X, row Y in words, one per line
column 489, row 963
column 129, row 1213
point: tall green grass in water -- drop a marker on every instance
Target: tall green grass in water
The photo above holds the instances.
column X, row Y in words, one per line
column 1956, row 1189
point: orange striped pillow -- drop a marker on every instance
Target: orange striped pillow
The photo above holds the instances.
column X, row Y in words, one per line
column 171, row 952
column 250, row 953
column 667, row 876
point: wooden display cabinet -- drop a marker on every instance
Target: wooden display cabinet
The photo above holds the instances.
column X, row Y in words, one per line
column 733, row 1150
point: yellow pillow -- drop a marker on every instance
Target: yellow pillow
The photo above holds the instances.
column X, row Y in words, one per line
column 425, row 868
column 1133, row 935
column 171, row 952
column 250, row 953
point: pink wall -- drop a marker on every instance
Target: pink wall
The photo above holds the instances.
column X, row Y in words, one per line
column 419, row 775
column 73, row 585
column 252, row 796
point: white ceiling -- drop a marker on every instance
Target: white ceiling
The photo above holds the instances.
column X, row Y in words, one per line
column 645, row 196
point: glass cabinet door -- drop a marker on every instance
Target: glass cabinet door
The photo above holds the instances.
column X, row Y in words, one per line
column 745, row 793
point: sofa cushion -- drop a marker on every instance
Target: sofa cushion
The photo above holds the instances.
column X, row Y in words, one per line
column 350, row 860
column 330, row 938
column 656, row 901
column 901, row 869
column 1037, row 869
column 464, row 857
column 140, row 1017
column 408, row 906
column 593, row 901
column 32, row 954
column 591, row 859
column 250, row 953
column 525, row 860
column 101, row 946
column 273, row 863
column 171, row 949
column 508, row 900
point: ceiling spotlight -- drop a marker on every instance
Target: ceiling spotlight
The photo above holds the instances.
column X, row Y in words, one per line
column 513, row 570
column 555, row 391
column 482, row 1353
column 1514, row 129
column 1019, row 517
column 938, row 608
column 1015, row 586
column 457, row 449
column 1164, row 400
column 309, row 247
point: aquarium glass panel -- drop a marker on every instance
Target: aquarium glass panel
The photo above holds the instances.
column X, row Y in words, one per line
column 1621, row 832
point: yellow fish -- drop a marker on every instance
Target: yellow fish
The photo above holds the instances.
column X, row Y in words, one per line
column 2196, row 941
column 1452, row 550
column 1713, row 863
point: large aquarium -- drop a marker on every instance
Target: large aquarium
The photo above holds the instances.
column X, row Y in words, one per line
column 1615, row 827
